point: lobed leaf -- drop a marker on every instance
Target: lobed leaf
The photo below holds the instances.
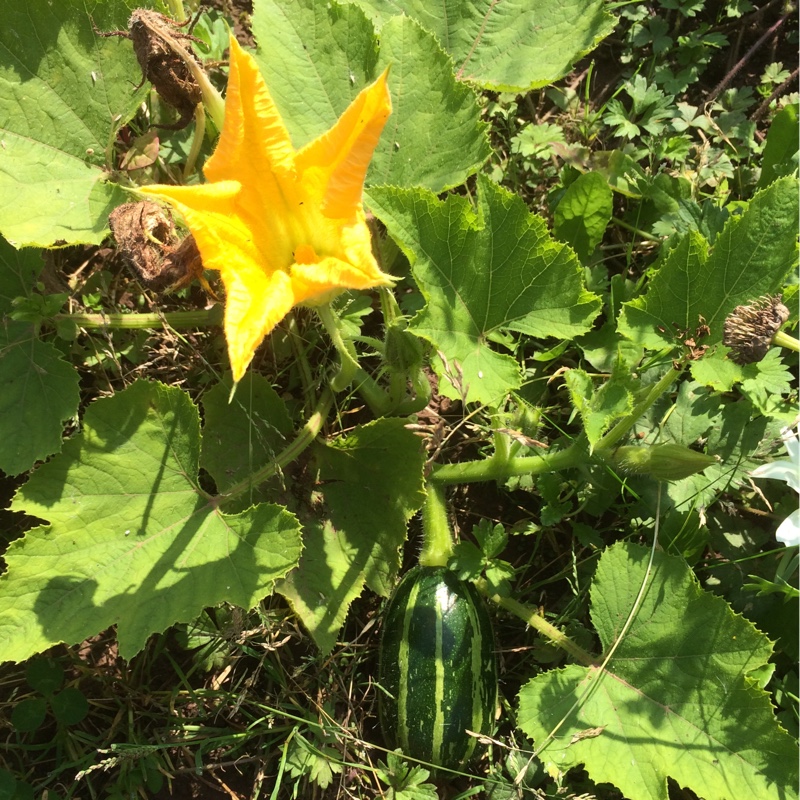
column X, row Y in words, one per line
column 316, row 57
column 676, row 700
column 133, row 540
column 513, row 46
column 63, row 93
column 751, row 257
column 483, row 274
column 40, row 389
column 599, row 409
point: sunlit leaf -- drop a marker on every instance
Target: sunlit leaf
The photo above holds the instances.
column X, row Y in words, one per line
column 132, row 539
column 63, row 92
column 674, row 701
column 485, row 273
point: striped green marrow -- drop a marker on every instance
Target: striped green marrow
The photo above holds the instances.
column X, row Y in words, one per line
column 438, row 666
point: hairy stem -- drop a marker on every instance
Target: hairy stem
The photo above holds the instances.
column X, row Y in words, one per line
column 540, row 624
column 627, row 422
column 501, row 468
column 168, row 319
column 437, row 544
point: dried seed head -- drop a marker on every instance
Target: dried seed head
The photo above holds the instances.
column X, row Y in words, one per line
column 147, row 240
column 749, row 330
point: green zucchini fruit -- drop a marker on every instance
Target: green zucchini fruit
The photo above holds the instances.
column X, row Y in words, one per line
column 437, row 667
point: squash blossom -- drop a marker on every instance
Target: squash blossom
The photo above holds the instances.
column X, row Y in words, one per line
column 282, row 226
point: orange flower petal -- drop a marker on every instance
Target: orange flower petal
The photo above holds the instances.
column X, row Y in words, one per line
column 282, row 226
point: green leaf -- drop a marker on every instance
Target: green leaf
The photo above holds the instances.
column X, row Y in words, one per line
column 485, row 274
column 599, row 409
column 243, row 435
column 70, row 706
column 676, row 699
column 780, row 150
column 605, row 349
column 370, row 486
column 28, row 714
column 319, row 761
column 583, row 213
column 63, row 93
column 405, row 781
column 133, row 540
column 512, row 46
column 316, row 57
column 716, row 370
column 40, row 390
column 44, row 675
column 751, row 257
column 764, row 382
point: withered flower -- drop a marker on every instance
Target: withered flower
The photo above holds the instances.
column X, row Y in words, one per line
column 750, row 330
column 147, row 240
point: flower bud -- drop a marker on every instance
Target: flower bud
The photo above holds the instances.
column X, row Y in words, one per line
column 664, row 462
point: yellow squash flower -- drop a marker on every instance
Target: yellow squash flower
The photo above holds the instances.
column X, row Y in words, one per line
column 282, row 226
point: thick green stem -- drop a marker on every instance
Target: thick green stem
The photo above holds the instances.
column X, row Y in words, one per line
column 628, row 421
column 437, row 539
column 783, row 339
column 169, row 319
column 307, row 434
column 492, row 469
column 540, row 624
column 177, row 10
column 500, row 467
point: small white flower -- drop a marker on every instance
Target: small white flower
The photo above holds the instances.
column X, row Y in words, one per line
column 788, row 471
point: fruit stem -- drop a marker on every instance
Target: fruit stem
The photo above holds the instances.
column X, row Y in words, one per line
column 437, row 539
